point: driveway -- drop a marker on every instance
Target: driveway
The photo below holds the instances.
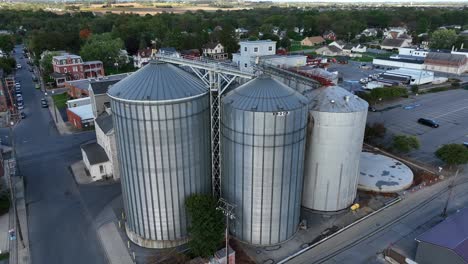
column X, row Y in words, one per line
column 60, row 218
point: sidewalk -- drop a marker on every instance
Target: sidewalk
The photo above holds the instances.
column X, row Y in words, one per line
column 62, row 127
column 111, row 241
column 23, row 252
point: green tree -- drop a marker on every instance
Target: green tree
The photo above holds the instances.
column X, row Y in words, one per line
column 46, row 63
column 206, row 224
column 374, row 131
column 443, row 39
column 453, row 154
column 403, row 143
column 228, row 39
column 414, row 89
column 7, row 64
column 104, row 48
column 7, row 43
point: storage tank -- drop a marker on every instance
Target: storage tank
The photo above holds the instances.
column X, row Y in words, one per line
column 263, row 128
column 161, row 117
column 335, row 134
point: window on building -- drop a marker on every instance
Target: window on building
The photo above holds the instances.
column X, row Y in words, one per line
column 101, row 169
column 255, row 49
column 75, row 68
column 65, row 70
column 245, row 48
column 270, row 48
column 245, row 65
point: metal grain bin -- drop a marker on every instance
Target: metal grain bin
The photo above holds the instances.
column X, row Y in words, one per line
column 161, row 117
column 263, row 142
column 335, row 135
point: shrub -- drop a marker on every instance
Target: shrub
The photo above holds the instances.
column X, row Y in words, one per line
column 403, row 143
column 414, row 89
column 453, row 154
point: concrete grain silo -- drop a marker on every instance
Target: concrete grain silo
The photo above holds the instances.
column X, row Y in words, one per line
column 162, row 125
column 335, row 135
column 263, row 128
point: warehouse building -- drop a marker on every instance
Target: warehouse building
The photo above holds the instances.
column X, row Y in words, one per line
column 447, row 242
column 446, row 62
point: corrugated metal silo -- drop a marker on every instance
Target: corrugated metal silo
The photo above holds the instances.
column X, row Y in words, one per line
column 161, row 117
column 263, row 129
column 335, row 135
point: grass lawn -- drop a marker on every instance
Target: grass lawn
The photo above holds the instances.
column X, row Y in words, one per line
column 363, row 58
column 5, row 256
column 60, row 100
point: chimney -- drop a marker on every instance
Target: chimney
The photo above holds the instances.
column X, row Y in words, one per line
column 461, row 47
column 453, row 48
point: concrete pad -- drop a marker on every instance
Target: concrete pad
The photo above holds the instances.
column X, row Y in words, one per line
column 112, row 243
column 379, row 173
column 79, row 172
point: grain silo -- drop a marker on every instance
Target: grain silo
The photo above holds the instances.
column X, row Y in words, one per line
column 335, row 135
column 162, row 125
column 263, row 129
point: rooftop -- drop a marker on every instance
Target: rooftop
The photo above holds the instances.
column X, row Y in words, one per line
column 92, row 62
column 101, row 86
column 445, row 58
column 250, row 42
column 85, row 112
column 335, row 99
column 104, row 121
column 95, row 153
column 393, row 42
column 451, row 234
column 66, row 56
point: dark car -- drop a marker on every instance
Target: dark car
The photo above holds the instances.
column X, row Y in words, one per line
column 372, row 109
column 465, row 144
column 22, row 115
column 428, row 122
column 44, row 103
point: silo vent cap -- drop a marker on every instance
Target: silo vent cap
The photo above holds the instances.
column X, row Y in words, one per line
column 332, row 101
column 346, row 98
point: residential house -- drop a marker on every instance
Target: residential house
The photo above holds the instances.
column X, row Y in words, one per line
column 70, row 67
column 214, row 50
column 370, row 32
column 338, row 43
column 123, row 55
column 329, row 51
column 391, row 44
column 446, row 62
column 98, row 94
column 394, row 32
column 169, row 51
column 347, row 49
column 359, row 49
column 81, row 117
column 142, row 57
column 329, row 35
column 312, row 41
column 241, row 31
column 299, row 31
column 275, row 31
column 464, row 33
column 250, row 51
column 80, row 88
column 190, row 53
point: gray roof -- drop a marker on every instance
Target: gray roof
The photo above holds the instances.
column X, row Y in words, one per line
column 334, row 48
column 451, row 233
column 333, row 99
column 95, row 153
column 393, row 42
column 158, row 81
column 105, row 122
column 80, row 84
column 101, row 86
column 264, row 94
column 445, row 58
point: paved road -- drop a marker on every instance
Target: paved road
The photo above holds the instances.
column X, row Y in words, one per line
column 408, row 218
column 449, row 109
column 60, row 213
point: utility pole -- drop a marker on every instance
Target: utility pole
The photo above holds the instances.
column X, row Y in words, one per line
column 228, row 211
column 451, row 185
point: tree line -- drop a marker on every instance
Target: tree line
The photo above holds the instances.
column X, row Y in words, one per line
column 44, row 30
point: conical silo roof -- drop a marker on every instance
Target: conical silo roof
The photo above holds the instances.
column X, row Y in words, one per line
column 264, row 94
column 158, row 81
column 335, row 99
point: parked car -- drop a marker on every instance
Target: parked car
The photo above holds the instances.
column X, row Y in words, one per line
column 44, row 103
column 465, row 144
column 18, row 66
column 428, row 122
column 22, row 115
column 20, row 105
column 30, row 69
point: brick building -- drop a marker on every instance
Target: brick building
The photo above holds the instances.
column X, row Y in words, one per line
column 68, row 67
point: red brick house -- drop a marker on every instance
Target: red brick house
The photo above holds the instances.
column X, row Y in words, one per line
column 329, row 35
column 70, row 67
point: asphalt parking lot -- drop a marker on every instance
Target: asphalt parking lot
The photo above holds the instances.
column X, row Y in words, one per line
column 449, row 109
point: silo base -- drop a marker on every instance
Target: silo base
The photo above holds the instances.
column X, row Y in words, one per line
column 147, row 243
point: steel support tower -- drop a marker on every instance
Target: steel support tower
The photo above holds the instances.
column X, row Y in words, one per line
column 217, row 77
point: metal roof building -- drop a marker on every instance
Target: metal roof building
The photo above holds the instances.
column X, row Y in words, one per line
column 447, row 242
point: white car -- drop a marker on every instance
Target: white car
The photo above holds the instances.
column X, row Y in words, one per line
column 18, row 66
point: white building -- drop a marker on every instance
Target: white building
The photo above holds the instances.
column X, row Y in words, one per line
column 413, row 52
column 399, row 63
column 370, row 32
column 214, row 50
column 250, row 51
column 96, row 162
column 394, row 32
column 283, row 61
column 417, row 77
column 142, row 57
column 359, row 49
